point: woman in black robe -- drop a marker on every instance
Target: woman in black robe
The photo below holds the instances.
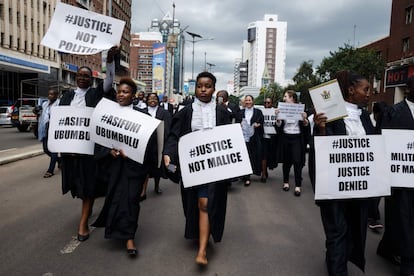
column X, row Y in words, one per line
column 205, row 205
column 119, row 214
column 78, row 170
column 252, row 126
column 345, row 221
column 156, row 172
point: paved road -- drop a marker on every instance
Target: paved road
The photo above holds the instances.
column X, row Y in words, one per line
column 268, row 232
column 11, row 137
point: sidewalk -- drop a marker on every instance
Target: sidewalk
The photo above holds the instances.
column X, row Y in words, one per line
column 12, row 155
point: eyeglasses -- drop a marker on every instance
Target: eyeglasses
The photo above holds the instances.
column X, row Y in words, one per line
column 268, row 102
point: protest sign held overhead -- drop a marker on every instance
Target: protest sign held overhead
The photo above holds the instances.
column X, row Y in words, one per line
column 211, row 155
column 399, row 150
column 85, row 32
column 350, row 167
column 121, row 127
column 69, row 133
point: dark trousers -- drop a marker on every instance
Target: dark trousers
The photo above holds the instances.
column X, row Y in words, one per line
column 53, row 156
column 297, row 168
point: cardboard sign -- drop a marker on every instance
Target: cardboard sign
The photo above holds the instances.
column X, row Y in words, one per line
column 290, row 111
column 70, row 133
column 211, row 155
column 121, row 127
column 269, row 120
column 350, row 167
column 399, row 152
column 78, row 31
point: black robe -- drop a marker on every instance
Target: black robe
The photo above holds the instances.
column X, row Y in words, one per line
column 79, row 170
column 165, row 116
column 398, row 238
column 345, row 221
column 217, row 191
column 125, row 178
column 254, row 146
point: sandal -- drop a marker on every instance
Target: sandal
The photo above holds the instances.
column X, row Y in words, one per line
column 48, row 174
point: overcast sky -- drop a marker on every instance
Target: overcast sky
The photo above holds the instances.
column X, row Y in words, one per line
column 314, row 27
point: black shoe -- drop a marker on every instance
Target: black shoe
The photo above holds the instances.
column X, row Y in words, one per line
column 82, row 238
column 247, row 183
column 297, row 191
column 158, row 191
column 132, row 252
column 142, row 198
column 286, row 187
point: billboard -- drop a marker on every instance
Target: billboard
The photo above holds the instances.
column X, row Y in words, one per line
column 158, row 67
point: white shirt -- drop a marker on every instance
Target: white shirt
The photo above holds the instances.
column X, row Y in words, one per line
column 79, row 97
column 152, row 110
column 248, row 114
column 353, row 122
column 204, row 115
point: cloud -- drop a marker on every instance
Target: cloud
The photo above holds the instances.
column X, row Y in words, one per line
column 314, row 28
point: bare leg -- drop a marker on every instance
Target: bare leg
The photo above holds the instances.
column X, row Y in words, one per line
column 130, row 244
column 144, row 187
column 204, row 226
column 87, row 205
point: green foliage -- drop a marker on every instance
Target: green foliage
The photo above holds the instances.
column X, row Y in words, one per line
column 274, row 91
column 234, row 99
column 363, row 61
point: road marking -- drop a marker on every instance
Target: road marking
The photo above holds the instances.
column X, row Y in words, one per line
column 74, row 243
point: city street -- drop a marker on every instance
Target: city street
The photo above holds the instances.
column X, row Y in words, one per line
column 268, row 232
column 11, row 137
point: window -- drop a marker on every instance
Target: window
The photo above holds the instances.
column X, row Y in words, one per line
column 408, row 15
column 406, row 45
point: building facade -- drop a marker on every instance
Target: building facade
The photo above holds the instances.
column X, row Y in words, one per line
column 141, row 57
column 28, row 68
column 397, row 49
column 267, row 41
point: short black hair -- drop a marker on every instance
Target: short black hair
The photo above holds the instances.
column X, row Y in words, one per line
column 207, row 75
column 130, row 82
column 85, row 67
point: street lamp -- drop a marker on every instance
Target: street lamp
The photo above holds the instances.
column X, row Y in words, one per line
column 194, row 35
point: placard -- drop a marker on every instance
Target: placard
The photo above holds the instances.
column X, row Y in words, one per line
column 211, row 155
column 399, row 152
column 269, row 120
column 121, row 127
column 78, row 31
column 290, row 111
column 70, row 133
column 350, row 167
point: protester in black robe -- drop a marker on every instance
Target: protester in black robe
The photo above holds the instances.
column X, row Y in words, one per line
column 205, row 205
column 126, row 177
column 155, row 171
column 222, row 97
column 294, row 135
column 78, row 170
column 398, row 239
column 345, row 221
column 252, row 126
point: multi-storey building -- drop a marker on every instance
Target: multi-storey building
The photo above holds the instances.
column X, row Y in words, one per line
column 267, row 39
column 29, row 68
column 141, row 57
column 398, row 51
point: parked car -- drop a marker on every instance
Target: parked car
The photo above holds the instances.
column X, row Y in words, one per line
column 23, row 116
column 5, row 115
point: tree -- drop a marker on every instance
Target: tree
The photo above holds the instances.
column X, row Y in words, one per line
column 304, row 79
column 363, row 61
column 273, row 90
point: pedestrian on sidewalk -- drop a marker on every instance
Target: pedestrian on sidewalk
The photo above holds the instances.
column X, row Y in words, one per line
column 43, row 128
